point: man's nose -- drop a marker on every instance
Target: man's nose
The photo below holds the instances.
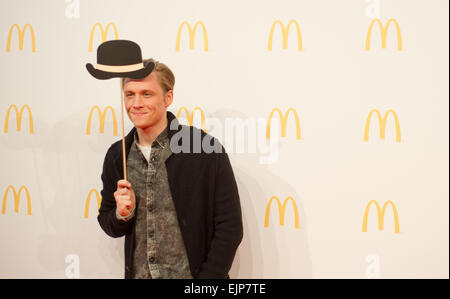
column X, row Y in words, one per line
column 138, row 102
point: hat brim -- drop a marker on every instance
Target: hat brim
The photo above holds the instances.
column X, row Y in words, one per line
column 103, row 75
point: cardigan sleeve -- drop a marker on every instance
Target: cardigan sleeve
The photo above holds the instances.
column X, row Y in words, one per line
column 107, row 213
column 228, row 229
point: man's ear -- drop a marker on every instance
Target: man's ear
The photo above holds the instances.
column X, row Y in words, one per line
column 168, row 98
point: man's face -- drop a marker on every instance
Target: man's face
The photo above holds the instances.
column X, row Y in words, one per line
column 145, row 101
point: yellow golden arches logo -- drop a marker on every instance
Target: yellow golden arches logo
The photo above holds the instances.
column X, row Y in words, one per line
column 382, row 121
column 88, row 200
column 283, row 120
column 17, row 199
column 282, row 211
column 21, row 34
column 19, row 118
column 190, row 116
column 381, row 212
column 104, row 33
column 285, row 33
column 192, row 35
column 384, row 33
column 102, row 117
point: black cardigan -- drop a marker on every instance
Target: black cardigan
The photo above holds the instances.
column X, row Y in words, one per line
column 206, row 200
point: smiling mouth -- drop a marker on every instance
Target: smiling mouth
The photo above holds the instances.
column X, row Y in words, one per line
column 139, row 114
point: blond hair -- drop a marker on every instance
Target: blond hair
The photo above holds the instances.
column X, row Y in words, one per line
column 165, row 76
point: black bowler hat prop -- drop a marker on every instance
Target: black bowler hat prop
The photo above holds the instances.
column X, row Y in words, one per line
column 119, row 59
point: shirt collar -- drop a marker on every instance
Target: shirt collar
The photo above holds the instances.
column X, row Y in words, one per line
column 161, row 140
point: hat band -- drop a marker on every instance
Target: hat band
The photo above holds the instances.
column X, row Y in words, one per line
column 120, row 68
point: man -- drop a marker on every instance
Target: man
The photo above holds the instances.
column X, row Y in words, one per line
column 179, row 210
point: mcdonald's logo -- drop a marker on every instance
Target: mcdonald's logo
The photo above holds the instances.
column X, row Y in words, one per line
column 88, row 200
column 21, row 34
column 285, row 33
column 384, row 33
column 192, row 35
column 19, row 118
column 190, row 116
column 282, row 211
column 381, row 212
column 283, row 120
column 17, row 199
column 382, row 121
column 104, row 33
column 102, row 117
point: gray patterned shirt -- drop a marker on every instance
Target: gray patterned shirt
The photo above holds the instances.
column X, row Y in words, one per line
column 159, row 250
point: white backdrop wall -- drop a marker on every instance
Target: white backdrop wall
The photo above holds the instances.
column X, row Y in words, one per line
column 332, row 172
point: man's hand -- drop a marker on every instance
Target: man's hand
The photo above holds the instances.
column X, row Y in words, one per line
column 125, row 198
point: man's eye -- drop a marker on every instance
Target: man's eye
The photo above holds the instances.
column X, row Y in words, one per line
column 146, row 94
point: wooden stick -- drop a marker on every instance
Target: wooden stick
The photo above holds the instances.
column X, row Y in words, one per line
column 123, row 129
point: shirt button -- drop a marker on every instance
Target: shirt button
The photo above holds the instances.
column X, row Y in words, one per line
column 152, row 260
column 150, row 209
column 151, row 235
